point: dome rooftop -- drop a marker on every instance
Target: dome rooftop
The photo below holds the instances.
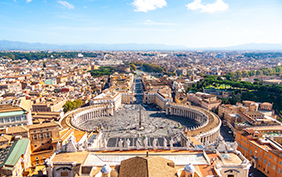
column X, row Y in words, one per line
column 106, row 169
column 189, row 168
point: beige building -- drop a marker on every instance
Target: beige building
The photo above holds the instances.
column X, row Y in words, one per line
column 48, row 106
column 226, row 109
column 207, row 101
column 132, row 163
column 15, row 159
column 158, row 95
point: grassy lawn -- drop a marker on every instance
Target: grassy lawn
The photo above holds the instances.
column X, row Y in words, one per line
column 222, row 87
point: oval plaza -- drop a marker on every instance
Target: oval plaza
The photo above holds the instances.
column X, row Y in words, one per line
column 202, row 125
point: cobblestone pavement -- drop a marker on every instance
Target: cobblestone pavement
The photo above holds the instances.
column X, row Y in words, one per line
column 124, row 124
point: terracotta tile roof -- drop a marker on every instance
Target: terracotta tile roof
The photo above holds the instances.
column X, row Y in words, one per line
column 11, row 130
column 147, row 166
column 49, row 124
column 5, row 138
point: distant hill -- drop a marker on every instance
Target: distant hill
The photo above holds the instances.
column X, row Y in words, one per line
column 14, row 45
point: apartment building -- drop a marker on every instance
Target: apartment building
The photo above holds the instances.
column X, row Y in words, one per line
column 15, row 158
column 264, row 153
column 11, row 116
column 207, row 101
column 48, row 105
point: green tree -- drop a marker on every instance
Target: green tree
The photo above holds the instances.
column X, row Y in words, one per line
column 133, row 67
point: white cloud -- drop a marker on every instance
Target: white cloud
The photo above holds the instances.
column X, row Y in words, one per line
column 84, row 7
column 150, row 22
column 218, row 5
column 28, row 1
column 66, row 4
column 245, row 33
column 258, row 32
column 146, row 5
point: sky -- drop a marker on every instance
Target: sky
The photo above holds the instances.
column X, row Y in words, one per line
column 190, row 23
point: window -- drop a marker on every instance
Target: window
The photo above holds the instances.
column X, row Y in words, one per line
column 270, row 156
column 18, row 118
column 264, row 161
column 274, row 158
column 259, row 157
column 279, row 170
column 47, row 134
column 269, row 164
column 251, row 152
column 35, row 137
column 273, row 167
column 247, row 149
column 280, row 162
column 266, row 154
column 41, row 135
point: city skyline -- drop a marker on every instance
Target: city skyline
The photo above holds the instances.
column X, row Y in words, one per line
column 191, row 23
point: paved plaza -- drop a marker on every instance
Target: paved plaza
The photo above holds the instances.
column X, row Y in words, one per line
column 125, row 122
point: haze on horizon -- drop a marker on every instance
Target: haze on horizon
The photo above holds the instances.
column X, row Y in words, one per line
column 191, row 23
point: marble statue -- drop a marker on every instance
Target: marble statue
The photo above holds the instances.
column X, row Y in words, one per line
column 145, row 141
column 127, row 143
column 137, row 144
column 155, row 143
column 187, row 144
column 235, row 146
column 120, row 144
column 165, row 143
column 171, row 144
column 105, row 144
column 58, row 147
column 85, row 145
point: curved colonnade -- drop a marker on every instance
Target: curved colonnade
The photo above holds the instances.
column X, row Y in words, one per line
column 91, row 112
column 207, row 132
column 209, row 129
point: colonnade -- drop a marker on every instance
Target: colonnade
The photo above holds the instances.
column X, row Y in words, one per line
column 209, row 137
column 191, row 113
column 89, row 114
column 205, row 133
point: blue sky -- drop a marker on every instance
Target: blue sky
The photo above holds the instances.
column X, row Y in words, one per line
column 192, row 23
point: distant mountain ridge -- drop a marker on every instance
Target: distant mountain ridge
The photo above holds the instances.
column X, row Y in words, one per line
column 15, row 45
